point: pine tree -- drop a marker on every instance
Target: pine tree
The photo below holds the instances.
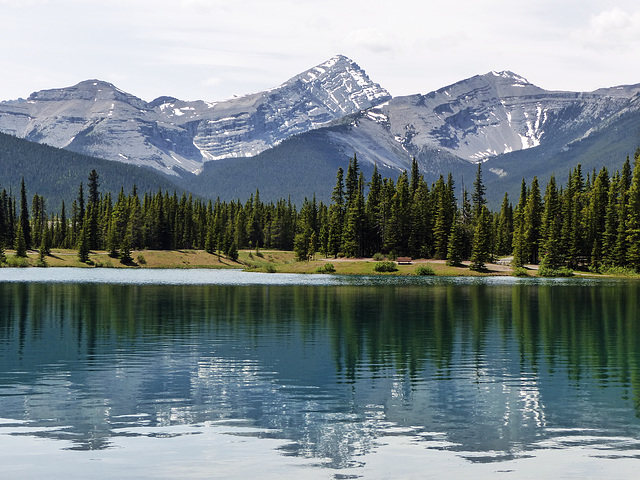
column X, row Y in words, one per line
column 112, row 240
column 633, row 218
column 611, row 222
column 351, row 181
column 20, row 244
column 445, row 211
column 455, row 246
column 375, row 221
column 24, row 216
column 232, row 251
column 83, row 245
column 596, row 217
column 415, row 177
column 478, row 196
column 421, row 237
column 92, row 209
column 81, row 211
column 313, row 245
column 532, row 221
column 504, row 231
column 336, row 215
column 42, row 253
column 399, row 224
column 519, row 248
column 301, row 245
column 354, row 227
column 550, row 228
column 481, row 250
column 125, row 250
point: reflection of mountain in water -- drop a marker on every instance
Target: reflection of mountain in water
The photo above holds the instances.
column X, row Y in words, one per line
column 478, row 367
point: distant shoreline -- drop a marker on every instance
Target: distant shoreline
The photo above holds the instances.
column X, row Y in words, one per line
column 273, row 261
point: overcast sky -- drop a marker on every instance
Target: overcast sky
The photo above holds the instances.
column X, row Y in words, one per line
column 214, row 49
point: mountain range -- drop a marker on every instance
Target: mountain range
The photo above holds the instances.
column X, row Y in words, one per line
column 292, row 138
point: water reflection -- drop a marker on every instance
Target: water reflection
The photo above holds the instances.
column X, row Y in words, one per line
column 493, row 370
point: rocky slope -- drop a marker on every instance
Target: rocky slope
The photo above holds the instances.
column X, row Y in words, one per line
column 294, row 136
column 480, row 118
column 98, row 119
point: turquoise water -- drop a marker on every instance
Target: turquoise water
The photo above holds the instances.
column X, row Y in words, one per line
column 227, row 374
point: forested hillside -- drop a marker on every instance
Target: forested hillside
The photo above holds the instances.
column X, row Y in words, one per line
column 55, row 173
column 592, row 223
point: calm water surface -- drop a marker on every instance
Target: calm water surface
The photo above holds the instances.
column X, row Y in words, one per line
column 226, row 374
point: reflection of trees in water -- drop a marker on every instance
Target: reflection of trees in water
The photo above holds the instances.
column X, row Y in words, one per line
column 392, row 336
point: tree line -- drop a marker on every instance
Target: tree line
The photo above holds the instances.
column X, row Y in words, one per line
column 591, row 222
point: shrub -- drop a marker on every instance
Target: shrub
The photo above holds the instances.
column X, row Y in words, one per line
column 385, row 267
column 554, row 272
column 520, row 272
column 378, row 257
column 142, row 260
column 329, row 268
column 425, row 270
column 15, row 261
column 270, row 268
column 326, row 268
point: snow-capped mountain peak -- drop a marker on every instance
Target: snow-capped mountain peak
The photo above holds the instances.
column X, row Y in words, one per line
column 97, row 118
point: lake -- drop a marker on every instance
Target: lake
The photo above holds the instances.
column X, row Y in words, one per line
column 107, row 373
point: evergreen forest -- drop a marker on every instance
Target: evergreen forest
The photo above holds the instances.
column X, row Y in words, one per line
column 590, row 221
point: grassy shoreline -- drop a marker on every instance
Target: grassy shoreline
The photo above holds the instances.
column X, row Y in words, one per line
column 274, row 261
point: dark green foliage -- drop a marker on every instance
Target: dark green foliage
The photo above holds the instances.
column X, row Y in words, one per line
column 518, row 242
column 633, row 219
column 592, row 223
column 504, row 232
column 326, row 268
column 55, row 173
column 385, row 267
column 232, row 252
column 545, row 271
column 551, row 227
column 125, row 250
column 455, row 253
column 481, row 250
column 424, row 270
column 479, row 192
column 20, row 244
column 520, row 272
column 25, row 225
column 83, row 245
column 532, row 223
column 42, row 254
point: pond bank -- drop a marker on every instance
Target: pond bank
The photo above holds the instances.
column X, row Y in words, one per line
column 273, row 261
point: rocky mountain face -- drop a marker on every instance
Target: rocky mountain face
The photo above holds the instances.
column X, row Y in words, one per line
column 479, row 118
column 333, row 108
column 98, row 119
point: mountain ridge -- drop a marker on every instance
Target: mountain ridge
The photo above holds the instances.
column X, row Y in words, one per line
column 498, row 117
column 96, row 118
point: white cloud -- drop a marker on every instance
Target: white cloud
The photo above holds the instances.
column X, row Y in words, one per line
column 614, row 29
